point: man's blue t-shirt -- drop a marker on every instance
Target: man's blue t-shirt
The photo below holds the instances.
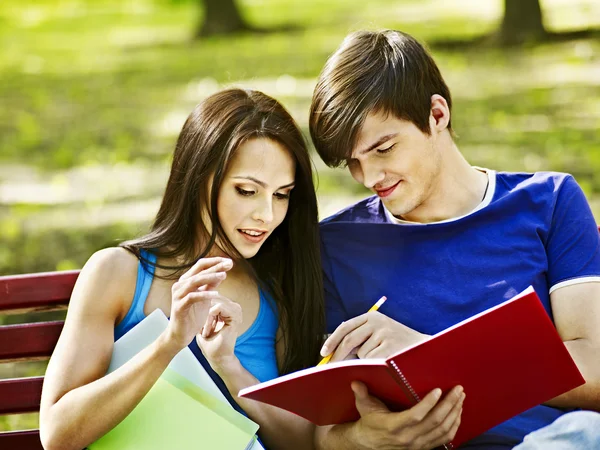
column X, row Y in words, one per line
column 531, row 229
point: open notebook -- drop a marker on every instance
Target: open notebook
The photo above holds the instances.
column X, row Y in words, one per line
column 184, row 409
column 508, row 358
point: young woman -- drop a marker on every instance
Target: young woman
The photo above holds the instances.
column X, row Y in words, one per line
column 232, row 258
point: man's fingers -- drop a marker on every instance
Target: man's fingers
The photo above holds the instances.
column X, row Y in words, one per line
column 421, row 409
column 215, row 264
column 340, row 333
column 448, row 428
column 365, row 403
column 453, row 430
column 451, row 403
column 368, row 348
column 352, row 340
column 437, row 424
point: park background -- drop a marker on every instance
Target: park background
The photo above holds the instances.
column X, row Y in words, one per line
column 94, row 92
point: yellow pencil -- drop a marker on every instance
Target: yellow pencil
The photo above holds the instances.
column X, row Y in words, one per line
column 375, row 307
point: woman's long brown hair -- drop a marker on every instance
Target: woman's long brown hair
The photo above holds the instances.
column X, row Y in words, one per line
column 288, row 264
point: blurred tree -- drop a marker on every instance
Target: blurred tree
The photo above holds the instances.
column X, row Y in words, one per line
column 220, row 17
column 522, row 22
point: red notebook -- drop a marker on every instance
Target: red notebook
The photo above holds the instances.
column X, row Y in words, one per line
column 508, row 358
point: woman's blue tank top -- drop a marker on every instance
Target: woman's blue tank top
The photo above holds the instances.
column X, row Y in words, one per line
column 255, row 348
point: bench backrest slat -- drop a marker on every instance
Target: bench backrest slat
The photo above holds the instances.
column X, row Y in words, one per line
column 19, row 294
column 28, row 341
column 21, row 440
column 36, row 292
column 20, row 395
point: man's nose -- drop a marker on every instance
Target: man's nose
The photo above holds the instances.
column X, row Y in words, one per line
column 371, row 175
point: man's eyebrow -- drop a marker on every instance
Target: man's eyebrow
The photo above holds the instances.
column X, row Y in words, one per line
column 380, row 141
column 262, row 183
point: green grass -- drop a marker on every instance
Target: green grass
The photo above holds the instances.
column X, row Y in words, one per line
column 105, row 82
column 86, row 84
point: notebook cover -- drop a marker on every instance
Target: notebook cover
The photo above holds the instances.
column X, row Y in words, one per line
column 169, row 417
column 508, row 358
column 184, row 364
column 322, row 394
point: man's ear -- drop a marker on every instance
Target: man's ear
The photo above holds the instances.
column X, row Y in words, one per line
column 440, row 113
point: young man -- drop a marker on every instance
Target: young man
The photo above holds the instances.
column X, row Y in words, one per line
column 443, row 240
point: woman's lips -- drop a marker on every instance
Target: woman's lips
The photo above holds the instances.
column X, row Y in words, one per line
column 254, row 239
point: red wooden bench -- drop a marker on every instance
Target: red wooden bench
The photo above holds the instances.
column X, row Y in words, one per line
column 28, row 342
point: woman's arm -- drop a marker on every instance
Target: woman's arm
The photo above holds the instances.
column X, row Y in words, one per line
column 79, row 404
column 279, row 429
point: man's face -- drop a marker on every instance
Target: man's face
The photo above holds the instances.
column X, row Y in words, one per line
column 397, row 161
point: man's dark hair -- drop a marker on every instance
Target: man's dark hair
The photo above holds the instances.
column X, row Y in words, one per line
column 372, row 71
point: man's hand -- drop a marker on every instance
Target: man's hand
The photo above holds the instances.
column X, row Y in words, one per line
column 429, row 424
column 371, row 335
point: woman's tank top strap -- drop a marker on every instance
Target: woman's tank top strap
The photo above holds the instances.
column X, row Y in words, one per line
column 256, row 347
column 145, row 275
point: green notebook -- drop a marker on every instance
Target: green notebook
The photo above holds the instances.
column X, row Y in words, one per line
column 184, row 398
column 177, row 414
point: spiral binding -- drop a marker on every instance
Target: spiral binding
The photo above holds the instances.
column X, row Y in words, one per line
column 406, row 383
column 414, row 394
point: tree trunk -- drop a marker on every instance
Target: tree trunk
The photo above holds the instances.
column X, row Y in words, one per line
column 522, row 22
column 220, row 17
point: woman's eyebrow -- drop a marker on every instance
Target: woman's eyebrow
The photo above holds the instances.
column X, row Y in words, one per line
column 257, row 181
column 287, row 185
column 262, row 183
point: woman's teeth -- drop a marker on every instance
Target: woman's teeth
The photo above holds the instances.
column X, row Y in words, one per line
column 252, row 233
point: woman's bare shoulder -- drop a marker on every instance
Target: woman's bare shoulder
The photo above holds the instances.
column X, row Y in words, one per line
column 107, row 280
column 113, row 261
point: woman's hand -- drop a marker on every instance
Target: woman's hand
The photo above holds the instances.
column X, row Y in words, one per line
column 191, row 298
column 220, row 331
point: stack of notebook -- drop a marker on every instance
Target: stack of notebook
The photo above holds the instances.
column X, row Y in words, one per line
column 184, row 409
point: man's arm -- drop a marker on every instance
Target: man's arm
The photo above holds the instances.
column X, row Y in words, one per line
column 427, row 425
column 576, row 310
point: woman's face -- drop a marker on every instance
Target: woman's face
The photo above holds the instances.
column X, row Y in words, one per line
column 254, row 196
